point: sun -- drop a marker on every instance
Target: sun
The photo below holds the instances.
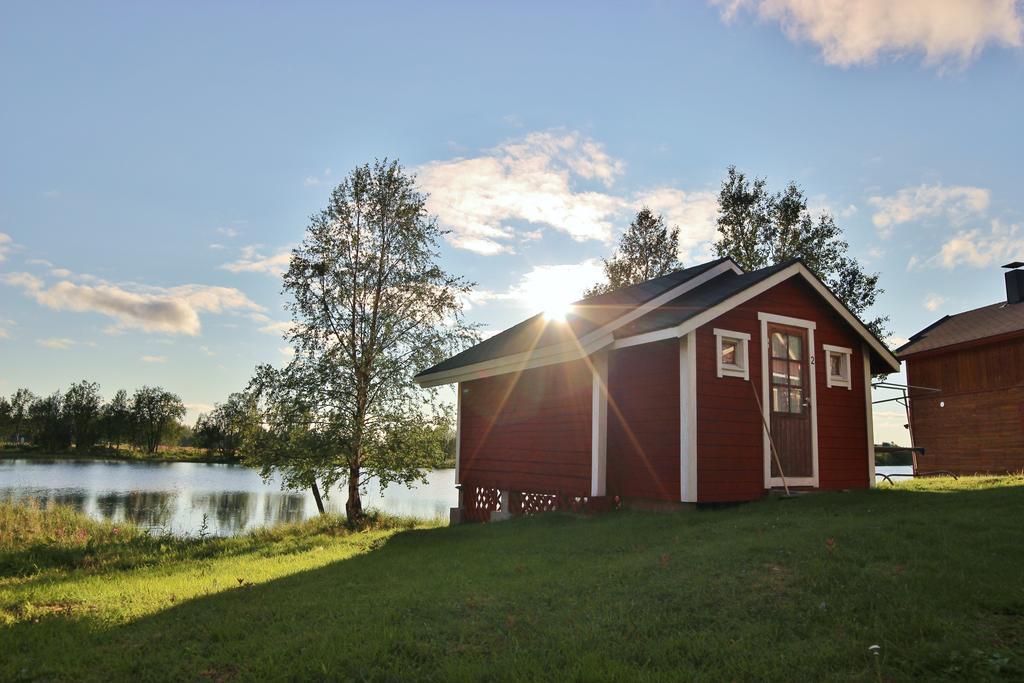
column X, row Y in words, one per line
column 556, row 311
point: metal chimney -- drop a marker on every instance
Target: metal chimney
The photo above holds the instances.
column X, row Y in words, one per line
column 1014, row 282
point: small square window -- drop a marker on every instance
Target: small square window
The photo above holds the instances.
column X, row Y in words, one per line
column 838, row 366
column 732, row 353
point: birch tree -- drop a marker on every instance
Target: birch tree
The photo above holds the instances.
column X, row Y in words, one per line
column 370, row 307
column 648, row 249
column 758, row 228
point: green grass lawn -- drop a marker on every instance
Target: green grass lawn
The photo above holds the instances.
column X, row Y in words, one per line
column 932, row 571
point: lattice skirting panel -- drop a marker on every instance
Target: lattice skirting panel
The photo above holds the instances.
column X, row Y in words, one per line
column 480, row 501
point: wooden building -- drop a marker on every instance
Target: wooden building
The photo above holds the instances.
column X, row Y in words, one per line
column 975, row 359
column 661, row 392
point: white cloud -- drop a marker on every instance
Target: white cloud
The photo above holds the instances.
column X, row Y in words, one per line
column 313, row 181
column 154, row 359
column 24, row 280
column 286, row 351
column 957, row 203
column 60, row 272
column 6, row 245
column 695, row 213
column 933, row 301
column 194, row 410
column 853, row 32
column 896, row 341
column 252, row 261
column 980, row 248
column 39, row 262
column 277, row 327
column 819, row 204
column 532, row 179
column 228, row 232
column 173, row 310
column 56, row 343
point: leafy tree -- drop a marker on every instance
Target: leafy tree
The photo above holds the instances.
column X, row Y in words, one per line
column 369, row 306
column 51, row 429
column 758, row 229
column 648, row 249
column 154, row 413
column 116, row 422
column 178, row 434
column 21, row 401
column 5, row 419
column 221, row 430
column 84, row 408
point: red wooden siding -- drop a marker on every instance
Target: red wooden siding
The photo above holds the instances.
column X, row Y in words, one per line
column 643, row 421
column 981, row 426
column 528, row 431
column 730, row 455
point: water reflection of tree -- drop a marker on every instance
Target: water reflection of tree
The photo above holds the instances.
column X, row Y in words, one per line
column 284, row 507
column 232, row 510
column 150, row 509
column 74, row 498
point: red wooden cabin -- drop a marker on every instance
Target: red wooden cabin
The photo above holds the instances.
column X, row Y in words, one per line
column 661, row 392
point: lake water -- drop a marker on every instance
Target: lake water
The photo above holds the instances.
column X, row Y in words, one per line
column 892, row 470
column 175, row 496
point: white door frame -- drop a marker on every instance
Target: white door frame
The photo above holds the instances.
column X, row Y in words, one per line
column 809, row 325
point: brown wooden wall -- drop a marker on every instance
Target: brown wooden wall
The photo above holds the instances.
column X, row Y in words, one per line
column 528, row 431
column 643, row 421
column 981, row 427
column 730, row 464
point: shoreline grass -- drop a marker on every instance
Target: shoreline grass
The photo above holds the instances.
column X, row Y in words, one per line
column 776, row 590
column 163, row 454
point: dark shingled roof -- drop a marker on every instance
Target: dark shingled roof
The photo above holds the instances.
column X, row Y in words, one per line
column 590, row 314
column 697, row 300
column 585, row 316
column 987, row 321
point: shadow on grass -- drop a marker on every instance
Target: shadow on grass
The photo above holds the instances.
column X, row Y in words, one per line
column 773, row 590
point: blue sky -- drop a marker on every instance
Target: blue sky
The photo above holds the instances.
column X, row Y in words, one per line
column 158, row 160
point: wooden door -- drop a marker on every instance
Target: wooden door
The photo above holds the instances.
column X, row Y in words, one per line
column 789, row 399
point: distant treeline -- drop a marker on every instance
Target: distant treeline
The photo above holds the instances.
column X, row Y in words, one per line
column 80, row 417
column 151, row 417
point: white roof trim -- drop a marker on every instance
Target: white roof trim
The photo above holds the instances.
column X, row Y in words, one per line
column 566, row 351
column 800, row 269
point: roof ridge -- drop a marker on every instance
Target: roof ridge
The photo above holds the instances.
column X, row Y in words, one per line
column 638, row 285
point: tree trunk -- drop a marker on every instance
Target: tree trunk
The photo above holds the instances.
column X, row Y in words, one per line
column 317, row 498
column 354, row 504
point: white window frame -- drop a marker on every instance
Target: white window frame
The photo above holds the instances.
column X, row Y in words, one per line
column 830, row 379
column 741, row 369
